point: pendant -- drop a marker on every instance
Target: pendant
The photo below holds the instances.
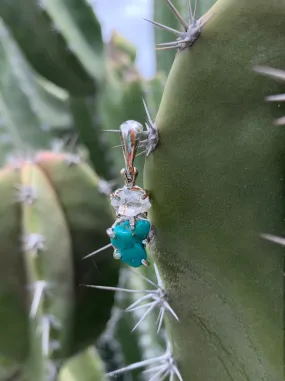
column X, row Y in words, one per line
column 132, row 230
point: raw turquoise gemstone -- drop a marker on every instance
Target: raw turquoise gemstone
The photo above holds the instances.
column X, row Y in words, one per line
column 133, row 256
column 124, row 236
column 129, row 242
column 141, row 230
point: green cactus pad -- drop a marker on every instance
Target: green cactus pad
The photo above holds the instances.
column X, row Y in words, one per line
column 46, row 49
column 16, row 96
column 77, row 22
column 89, row 214
column 216, row 181
column 72, row 216
column 53, row 264
column 13, row 298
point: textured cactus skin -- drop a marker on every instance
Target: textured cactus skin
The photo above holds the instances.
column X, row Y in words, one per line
column 54, row 265
column 14, row 82
column 28, row 92
column 216, row 181
column 77, row 22
column 60, row 211
column 86, row 366
column 13, row 278
column 88, row 218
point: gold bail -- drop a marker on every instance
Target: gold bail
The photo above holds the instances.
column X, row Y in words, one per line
column 130, row 133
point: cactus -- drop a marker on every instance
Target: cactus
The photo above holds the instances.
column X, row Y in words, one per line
column 213, row 296
column 45, row 273
column 216, row 181
column 88, row 360
column 50, row 53
column 68, row 89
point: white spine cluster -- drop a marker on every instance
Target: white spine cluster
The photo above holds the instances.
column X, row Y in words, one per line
column 192, row 29
column 158, row 367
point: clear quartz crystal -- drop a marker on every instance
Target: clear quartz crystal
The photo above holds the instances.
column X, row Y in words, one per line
column 130, row 202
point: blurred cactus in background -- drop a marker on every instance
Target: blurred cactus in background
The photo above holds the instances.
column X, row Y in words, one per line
column 210, row 306
column 61, row 86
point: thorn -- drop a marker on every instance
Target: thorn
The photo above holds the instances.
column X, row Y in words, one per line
column 98, row 251
column 168, row 307
column 157, row 295
column 120, row 145
column 154, row 368
column 176, row 371
column 147, row 112
column 162, row 312
column 147, row 312
column 190, row 13
column 280, row 121
column 39, row 287
column 177, row 15
column 136, row 365
column 139, row 307
column 166, row 366
column 162, row 375
column 158, row 277
column 177, row 32
column 173, row 44
column 168, row 48
column 273, row 238
column 195, row 9
column 271, row 72
column 143, row 277
column 152, row 133
column 141, row 153
column 116, row 289
column 47, row 323
column 276, row 98
column 143, row 298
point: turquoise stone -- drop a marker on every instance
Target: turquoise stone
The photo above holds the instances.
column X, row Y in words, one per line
column 123, row 236
column 142, row 229
column 129, row 242
column 133, row 256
